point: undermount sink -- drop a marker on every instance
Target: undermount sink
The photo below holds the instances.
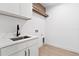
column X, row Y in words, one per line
column 19, row 38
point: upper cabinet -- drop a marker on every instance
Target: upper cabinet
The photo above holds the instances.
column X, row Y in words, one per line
column 18, row 10
column 10, row 7
column 40, row 9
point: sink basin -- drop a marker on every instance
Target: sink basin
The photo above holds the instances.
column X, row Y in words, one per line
column 19, row 38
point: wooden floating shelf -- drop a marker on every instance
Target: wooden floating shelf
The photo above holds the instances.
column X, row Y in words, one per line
column 40, row 9
column 13, row 15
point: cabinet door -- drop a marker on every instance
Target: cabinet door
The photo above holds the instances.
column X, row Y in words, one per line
column 20, row 53
column 26, row 9
column 33, row 51
column 10, row 7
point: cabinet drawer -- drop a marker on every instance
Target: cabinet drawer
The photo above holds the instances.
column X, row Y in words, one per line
column 17, row 47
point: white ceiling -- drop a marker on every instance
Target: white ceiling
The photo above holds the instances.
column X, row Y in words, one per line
column 49, row 5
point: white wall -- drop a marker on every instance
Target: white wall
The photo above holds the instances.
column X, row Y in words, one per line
column 62, row 26
column 37, row 22
column 9, row 24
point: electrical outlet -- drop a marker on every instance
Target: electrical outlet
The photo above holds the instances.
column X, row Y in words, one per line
column 36, row 30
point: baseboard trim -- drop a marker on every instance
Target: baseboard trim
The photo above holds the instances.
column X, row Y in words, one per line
column 71, row 50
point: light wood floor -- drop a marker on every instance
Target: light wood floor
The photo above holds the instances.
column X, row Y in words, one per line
column 48, row 50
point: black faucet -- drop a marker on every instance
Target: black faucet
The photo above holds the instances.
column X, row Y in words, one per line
column 18, row 33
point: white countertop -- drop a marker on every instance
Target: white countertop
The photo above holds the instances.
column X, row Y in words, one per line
column 4, row 42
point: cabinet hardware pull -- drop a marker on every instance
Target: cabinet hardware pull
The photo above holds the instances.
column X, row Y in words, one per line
column 28, row 52
column 25, row 53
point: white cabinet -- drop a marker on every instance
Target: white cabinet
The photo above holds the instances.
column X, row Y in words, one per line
column 20, row 53
column 26, row 9
column 10, row 7
column 33, row 51
column 27, row 48
column 17, row 10
column 30, row 51
column 23, row 52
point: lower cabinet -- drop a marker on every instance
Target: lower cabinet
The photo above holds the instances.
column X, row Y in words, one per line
column 23, row 52
column 30, row 51
column 28, row 48
column 33, row 51
column 20, row 53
